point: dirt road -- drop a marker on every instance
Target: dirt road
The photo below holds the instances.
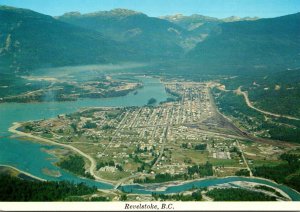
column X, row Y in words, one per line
column 249, row 104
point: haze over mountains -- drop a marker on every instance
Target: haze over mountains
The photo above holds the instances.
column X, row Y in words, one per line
column 30, row 40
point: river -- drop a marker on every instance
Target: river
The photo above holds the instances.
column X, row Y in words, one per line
column 31, row 156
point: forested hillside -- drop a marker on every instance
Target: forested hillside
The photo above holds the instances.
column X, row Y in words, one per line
column 30, row 40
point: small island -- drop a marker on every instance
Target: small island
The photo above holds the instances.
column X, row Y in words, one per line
column 48, row 89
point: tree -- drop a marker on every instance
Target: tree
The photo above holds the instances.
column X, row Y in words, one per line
column 123, row 197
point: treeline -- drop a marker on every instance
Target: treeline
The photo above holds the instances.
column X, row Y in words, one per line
column 202, row 170
column 283, row 132
column 177, row 95
column 287, row 173
column 238, row 194
column 283, row 100
column 107, row 127
column 242, row 172
column 91, row 199
column 200, row 147
column 195, row 196
column 106, row 94
column 144, row 166
column 90, row 125
column 15, row 189
column 101, row 164
column 17, row 85
column 267, row 188
column 75, row 164
column 111, row 163
column 234, row 105
column 160, row 178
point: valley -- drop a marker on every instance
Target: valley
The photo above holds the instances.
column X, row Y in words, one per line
column 184, row 138
column 119, row 105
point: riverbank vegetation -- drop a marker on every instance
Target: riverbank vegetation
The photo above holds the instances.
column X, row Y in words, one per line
column 242, row 172
column 75, row 164
column 238, row 194
column 160, row 178
column 201, row 170
column 286, row 173
column 194, row 196
column 269, row 189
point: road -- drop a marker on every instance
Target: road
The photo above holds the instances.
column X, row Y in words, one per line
column 246, row 135
column 123, row 180
column 93, row 163
column 162, row 147
column 245, row 161
column 249, row 104
column 221, row 119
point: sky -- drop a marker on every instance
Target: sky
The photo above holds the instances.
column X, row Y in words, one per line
column 213, row 8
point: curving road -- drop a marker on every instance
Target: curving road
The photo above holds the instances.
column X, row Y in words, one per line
column 249, row 104
column 16, row 125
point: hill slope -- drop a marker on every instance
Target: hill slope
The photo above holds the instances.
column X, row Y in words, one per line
column 191, row 22
column 200, row 26
column 261, row 44
column 31, row 40
column 147, row 36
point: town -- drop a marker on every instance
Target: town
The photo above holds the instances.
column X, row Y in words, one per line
column 182, row 138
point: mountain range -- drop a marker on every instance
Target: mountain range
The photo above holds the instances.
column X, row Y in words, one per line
column 272, row 43
column 30, row 40
column 197, row 21
column 146, row 35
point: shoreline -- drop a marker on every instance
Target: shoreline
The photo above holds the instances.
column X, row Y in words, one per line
column 255, row 184
column 128, row 91
column 23, row 172
column 180, row 182
column 174, row 183
column 16, row 125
